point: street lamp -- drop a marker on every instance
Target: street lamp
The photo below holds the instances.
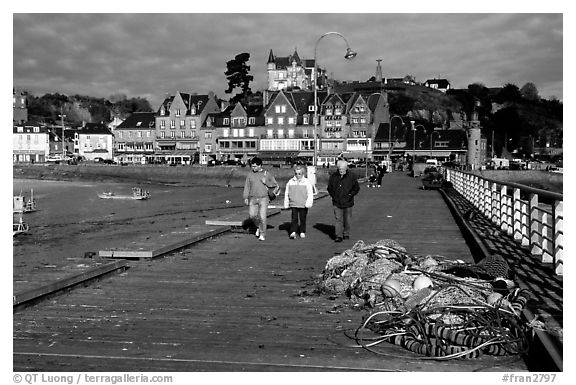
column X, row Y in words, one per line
column 349, row 55
column 366, row 142
column 390, row 143
column 63, row 140
column 415, row 129
column 431, row 136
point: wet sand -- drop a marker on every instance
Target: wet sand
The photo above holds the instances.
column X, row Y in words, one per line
column 72, row 222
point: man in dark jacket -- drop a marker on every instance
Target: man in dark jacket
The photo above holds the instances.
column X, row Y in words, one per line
column 342, row 187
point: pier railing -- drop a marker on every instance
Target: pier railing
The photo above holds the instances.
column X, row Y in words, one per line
column 534, row 217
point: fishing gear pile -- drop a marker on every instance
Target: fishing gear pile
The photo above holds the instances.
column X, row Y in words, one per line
column 432, row 306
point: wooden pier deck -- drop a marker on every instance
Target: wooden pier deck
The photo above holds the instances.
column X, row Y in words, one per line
column 233, row 303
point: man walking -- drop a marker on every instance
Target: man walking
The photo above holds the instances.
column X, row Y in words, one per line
column 342, row 187
column 256, row 195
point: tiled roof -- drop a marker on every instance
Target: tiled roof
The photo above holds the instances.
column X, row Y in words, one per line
column 138, row 121
column 94, row 129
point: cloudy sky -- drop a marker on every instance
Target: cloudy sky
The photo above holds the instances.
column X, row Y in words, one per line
column 151, row 54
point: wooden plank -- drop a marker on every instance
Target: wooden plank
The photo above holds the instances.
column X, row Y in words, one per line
column 174, row 241
column 20, row 299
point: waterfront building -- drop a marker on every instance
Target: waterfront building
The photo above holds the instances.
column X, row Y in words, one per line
column 134, row 138
column 181, row 133
column 91, row 141
column 30, row 143
column 289, row 72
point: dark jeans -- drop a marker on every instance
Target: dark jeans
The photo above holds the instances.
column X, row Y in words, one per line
column 343, row 220
column 298, row 213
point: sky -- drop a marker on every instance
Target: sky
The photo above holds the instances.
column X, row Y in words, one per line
column 153, row 54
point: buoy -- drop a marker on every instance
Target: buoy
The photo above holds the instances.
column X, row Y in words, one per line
column 391, row 288
column 421, row 282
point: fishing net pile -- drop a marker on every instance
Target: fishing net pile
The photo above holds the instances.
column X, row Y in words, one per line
column 430, row 305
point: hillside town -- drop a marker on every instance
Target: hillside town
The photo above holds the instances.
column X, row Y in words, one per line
column 282, row 125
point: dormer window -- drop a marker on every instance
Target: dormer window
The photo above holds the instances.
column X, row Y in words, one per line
column 177, row 112
column 226, row 121
column 138, row 124
column 311, row 108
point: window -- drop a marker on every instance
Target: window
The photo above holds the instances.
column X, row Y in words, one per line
column 241, row 132
column 182, row 123
column 149, row 146
column 138, row 124
column 20, row 129
column 207, row 148
column 235, row 132
column 225, row 132
column 251, row 120
column 162, row 124
column 280, row 133
column 172, row 134
column 172, row 124
column 280, row 120
column 120, row 134
column 328, row 111
column 226, row 121
column 305, row 133
column 311, row 108
column 269, row 133
column 162, row 134
column 291, row 133
column 305, row 119
column 269, row 121
column 207, row 135
column 280, row 108
column 338, row 110
column 139, row 134
column 177, row 112
column 36, row 129
column 363, row 120
column 148, row 134
column 192, row 123
column 130, row 134
column 182, row 134
column 193, row 133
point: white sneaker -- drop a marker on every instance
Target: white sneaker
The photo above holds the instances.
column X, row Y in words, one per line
column 302, row 235
column 257, row 233
column 261, row 238
column 293, row 236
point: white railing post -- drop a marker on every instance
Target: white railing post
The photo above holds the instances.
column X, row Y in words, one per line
column 517, row 220
column 535, row 226
column 558, row 215
column 505, row 211
column 496, row 205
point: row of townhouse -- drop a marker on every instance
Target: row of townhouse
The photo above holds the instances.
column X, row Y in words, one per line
column 199, row 128
column 189, row 128
column 34, row 142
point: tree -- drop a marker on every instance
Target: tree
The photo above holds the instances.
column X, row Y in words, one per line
column 237, row 75
column 509, row 93
column 529, row 92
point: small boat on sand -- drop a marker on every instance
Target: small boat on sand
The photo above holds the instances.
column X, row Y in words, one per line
column 137, row 194
column 23, row 205
column 20, row 227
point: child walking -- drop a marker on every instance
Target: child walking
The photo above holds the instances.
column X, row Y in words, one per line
column 298, row 196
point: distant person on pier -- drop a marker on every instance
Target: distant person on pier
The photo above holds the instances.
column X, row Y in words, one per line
column 298, row 196
column 256, row 195
column 381, row 170
column 342, row 187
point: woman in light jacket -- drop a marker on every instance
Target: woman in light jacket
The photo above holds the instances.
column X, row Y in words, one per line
column 298, row 196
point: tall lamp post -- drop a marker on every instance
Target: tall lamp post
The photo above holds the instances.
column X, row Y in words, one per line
column 349, row 55
column 431, row 136
column 366, row 145
column 63, row 140
column 390, row 143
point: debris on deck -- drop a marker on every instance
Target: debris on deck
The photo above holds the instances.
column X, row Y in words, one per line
column 435, row 307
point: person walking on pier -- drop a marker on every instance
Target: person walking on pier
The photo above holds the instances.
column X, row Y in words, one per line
column 342, row 187
column 256, row 195
column 298, row 196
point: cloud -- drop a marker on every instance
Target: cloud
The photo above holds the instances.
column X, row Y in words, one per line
column 149, row 55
